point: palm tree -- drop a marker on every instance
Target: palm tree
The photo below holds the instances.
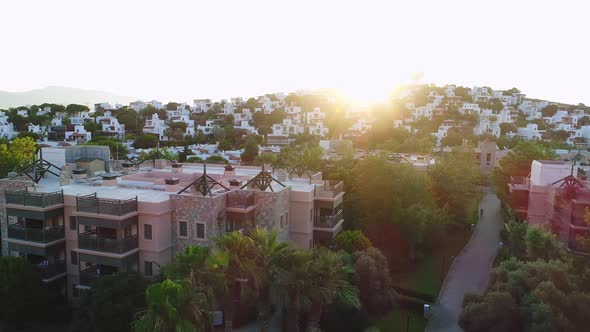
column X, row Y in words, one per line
column 203, row 267
column 172, row 306
column 242, row 272
column 291, row 285
column 329, row 283
column 270, row 257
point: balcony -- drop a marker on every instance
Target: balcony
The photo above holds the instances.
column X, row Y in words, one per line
column 19, row 232
column 519, row 183
column 328, row 221
column 92, row 204
column 36, row 199
column 87, row 276
column 48, row 271
column 90, row 241
column 329, row 189
column 241, row 200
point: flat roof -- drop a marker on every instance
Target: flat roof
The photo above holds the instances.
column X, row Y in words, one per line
column 553, row 162
column 148, row 184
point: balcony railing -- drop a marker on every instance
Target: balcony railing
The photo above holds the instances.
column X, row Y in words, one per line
column 19, row 232
column 92, row 242
column 117, row 207
column 328, row 221
column 578, row 246
column 48, row 271
column 31, row 198
column 519, row 182
column 235, row 200
column 329, row 189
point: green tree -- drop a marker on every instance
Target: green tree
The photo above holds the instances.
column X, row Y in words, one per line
column 130, row 119
column 217, row 160
column 293, row 283
column 250, row 150
column 549, row 110
column 74, row 109
column 111, row 303
column 506, row 127
column 454, row 180
column 172, row 306
column 374, row 280
column 270, row 256
column 145, row 141
column 172, row 106
column 92, row 127
column 541, row 244
column 352, row 241
column 22, row 293
column 242, row 274
column 497, row 311
column 16, row 154
column 329, row 283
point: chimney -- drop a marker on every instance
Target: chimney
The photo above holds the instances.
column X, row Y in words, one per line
column 160, row 163
column 127, row 167
column 235, row 183
column 172, row 184
column 80, row 174
column 109, row 180
column 176, row 168
column 229, row 171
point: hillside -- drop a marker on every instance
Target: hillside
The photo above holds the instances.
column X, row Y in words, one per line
column 59, row 95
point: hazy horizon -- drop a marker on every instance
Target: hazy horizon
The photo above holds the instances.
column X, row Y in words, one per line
column 182, row 50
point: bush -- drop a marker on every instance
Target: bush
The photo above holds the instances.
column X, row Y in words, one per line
column 217, row 160
column 145, row 141
column 352, row 241
column 194, row 159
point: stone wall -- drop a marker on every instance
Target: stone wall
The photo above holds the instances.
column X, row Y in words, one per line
column 193, row 209
column 269, row 208
column 211, row 211
column 8, row 185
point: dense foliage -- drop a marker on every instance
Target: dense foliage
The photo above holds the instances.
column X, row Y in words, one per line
column 111, row 303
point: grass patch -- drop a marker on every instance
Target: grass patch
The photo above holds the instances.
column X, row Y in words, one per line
column 397, row 321
column 426, row 275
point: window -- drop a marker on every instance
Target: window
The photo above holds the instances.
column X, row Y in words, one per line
column 200, row 230
column 311, row 216
column 281, row 223
column 147, row 231
column 488, row 157
column 287, row 218
column 74, row 257
column 73, row 223
column 183, row 229
column 148, row 269
column 87, row 228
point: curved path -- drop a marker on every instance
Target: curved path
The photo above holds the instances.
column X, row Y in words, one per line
column 470, row 271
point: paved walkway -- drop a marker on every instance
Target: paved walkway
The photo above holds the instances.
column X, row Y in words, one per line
column 471, row 269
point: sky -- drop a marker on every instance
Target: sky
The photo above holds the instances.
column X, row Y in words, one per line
column 181, row 50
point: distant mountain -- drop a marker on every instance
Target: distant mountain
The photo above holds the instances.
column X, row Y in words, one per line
column 59, row 95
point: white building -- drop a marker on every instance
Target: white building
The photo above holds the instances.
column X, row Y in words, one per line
column 444, row 129
column 208, row 128
column 202, row 105
column 79, row 135
column 110, row 125
column 6, row 128
column 531, row 131
column 155, row 126
column 287, row 128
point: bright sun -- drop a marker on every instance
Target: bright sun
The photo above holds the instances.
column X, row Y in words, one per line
column 367, row 93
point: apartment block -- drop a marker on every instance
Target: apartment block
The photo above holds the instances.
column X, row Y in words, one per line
column 554, row 196
column 81, row 226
